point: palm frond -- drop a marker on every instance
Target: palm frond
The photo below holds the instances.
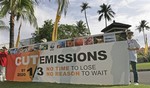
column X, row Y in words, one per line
column 106, row 12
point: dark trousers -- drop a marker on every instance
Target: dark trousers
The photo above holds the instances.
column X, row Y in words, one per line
column 135, row 74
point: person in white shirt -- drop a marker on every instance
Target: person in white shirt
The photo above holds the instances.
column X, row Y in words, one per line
column 133, row 46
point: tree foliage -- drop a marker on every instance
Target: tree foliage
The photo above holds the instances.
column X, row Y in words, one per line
column 44, row 32
column 15, row 8
column 105, row 12
column 65, row 31
column 143, row 25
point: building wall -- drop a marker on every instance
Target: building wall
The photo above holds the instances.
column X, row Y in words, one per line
column 23, row 42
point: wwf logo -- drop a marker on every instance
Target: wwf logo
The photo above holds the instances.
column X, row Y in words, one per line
column 52, row 46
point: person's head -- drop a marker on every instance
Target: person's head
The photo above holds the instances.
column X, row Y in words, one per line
column 78, row 41
column 69, row 43
column 129, row 34
column 4, row 48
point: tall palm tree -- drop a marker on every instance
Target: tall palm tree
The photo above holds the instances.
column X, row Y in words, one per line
column 12, row 7
column 25, row 15
column 106, row 12
column 85, row 6
column 142, row 27
column 62, row 7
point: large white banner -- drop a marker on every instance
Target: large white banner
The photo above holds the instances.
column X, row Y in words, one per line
column 92, row 64
column 102, row 60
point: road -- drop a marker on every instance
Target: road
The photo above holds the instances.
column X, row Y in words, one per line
column 144, row 77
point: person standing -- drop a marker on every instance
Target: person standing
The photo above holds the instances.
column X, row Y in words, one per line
column 133, row 46
column 3, row 63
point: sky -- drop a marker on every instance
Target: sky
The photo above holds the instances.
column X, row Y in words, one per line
column 127, row 11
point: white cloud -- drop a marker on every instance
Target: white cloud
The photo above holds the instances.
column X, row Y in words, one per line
column 127, row 11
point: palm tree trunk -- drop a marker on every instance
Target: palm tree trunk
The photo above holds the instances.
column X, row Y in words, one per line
column 145, row 44
column 87, row 22
column 144, row 36
column 105, row 22
column 11, row 40
column 55, row 28
column 18, row 37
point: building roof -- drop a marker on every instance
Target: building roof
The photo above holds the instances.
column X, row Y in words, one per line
column 116, row 25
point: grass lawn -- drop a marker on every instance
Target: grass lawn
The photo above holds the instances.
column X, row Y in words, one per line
column 143, row 65
column 55, row 85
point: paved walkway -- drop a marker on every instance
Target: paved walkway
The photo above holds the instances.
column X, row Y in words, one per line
column 144, row 77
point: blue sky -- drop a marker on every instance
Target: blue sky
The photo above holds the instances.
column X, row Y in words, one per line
column 127, row 11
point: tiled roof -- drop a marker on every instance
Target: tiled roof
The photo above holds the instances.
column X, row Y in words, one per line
column 115, row 24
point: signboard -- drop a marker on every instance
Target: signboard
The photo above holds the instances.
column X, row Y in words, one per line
column 98, row 59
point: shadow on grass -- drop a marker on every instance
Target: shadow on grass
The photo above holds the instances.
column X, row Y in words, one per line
column 11, row 84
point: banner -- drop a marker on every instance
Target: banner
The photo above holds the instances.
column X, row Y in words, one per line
column 98, row 59
column 21, row 66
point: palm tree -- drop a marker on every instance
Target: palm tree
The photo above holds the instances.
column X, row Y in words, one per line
column 142, row 27
column 62, row 7
column 85, row 6
column 81, row 28
column 13, row 7
column 26, row 15
column 106, row 12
